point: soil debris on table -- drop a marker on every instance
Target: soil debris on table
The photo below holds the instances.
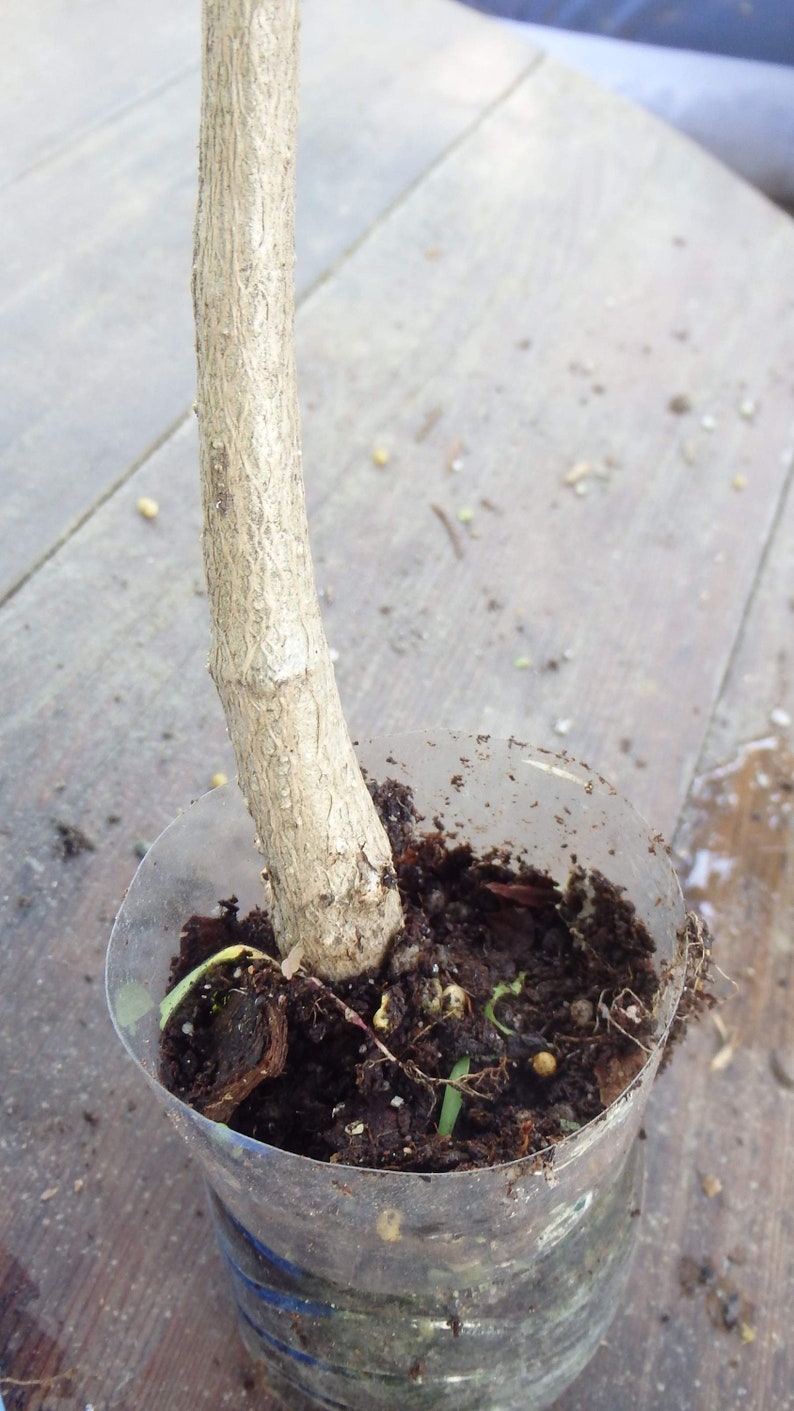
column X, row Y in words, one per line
column 547, row 991
column 728, row 1309
column 72, row 841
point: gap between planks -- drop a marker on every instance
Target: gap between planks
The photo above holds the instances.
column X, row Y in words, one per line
column 102, row 499
column 434, row 165
column 536, row 60
column 100, row 124
column 700, row 764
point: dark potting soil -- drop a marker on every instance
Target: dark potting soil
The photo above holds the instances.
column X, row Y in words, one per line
column 548, row 993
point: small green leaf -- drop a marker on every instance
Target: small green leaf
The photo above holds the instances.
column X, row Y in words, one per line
column 175, row 996
column 453, row 1099
column 513, row 987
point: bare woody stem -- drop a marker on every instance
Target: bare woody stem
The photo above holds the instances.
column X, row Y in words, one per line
column 325, row 850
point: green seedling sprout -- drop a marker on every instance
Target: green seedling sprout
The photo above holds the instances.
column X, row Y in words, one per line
column 513, row 987
column 175, row 996
column 453, row 1099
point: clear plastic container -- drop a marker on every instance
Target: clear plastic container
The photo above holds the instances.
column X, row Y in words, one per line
column 386, row 1291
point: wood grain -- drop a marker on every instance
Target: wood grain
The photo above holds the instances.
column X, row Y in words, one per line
column 623, row 598
column 67, row 70
column 96, row 337
column 726, row 1121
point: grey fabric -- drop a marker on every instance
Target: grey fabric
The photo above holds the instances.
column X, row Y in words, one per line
column 739, row 109
column 744, row 29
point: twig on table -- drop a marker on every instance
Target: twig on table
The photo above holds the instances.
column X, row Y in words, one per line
column 454, row 537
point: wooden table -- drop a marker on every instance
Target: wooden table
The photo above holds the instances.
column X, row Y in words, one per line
column 573, row 334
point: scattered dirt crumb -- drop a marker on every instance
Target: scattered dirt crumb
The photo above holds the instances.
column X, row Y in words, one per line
column 577, row 473
column 781, row 1064
column 728, row 1309
column 72, row 840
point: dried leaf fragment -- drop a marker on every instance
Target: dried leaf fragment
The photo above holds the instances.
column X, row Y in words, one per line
column 290, row 965
column 262, row 1030
column 522, row 893
column 614, row 1074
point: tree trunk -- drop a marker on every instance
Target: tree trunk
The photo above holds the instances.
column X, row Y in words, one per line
column 326, row 854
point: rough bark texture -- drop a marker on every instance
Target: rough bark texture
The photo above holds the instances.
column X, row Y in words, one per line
column 325, row 851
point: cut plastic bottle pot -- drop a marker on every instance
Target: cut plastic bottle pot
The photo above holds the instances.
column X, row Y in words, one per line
column 387, row 1291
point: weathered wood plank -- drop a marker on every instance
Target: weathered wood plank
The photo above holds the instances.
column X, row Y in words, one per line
column 705, row 1318
column 597, row 254
column 108, row 714
column 68, row 70
column 96, row 341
